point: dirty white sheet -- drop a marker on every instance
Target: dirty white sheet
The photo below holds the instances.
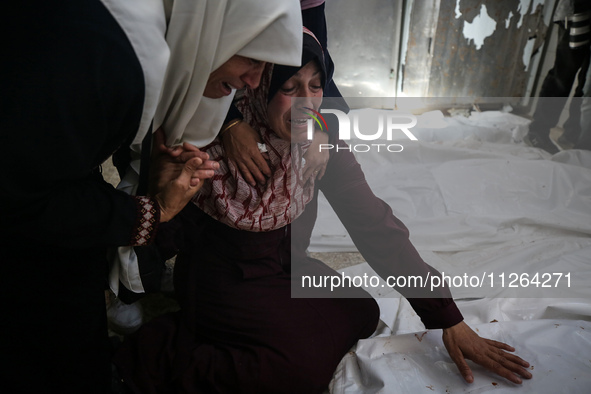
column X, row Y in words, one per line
column 478, row 201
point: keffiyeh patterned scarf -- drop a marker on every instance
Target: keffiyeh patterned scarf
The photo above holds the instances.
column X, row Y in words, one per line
column 228, row 198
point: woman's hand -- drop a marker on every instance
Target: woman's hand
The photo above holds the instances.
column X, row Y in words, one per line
column 462, row 343
column 315, row 158
column 240, row 144
column 177, row 174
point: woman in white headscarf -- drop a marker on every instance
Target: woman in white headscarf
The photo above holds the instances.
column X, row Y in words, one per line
column 84, row 77
column 203, row 36
column 200, row 36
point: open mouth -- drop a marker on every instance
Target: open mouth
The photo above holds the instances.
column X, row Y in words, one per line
column 299, row 121
column 299, row 124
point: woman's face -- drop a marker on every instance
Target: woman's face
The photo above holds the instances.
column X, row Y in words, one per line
column 235, row 73
column 306, row 87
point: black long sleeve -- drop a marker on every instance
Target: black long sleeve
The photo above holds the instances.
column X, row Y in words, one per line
column 72, row 93
column 383, row 239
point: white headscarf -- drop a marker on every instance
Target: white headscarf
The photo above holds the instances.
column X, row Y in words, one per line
column 190, row 39
column 179, row 43
column 203, row 35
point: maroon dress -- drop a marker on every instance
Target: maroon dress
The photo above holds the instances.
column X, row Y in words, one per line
column 240, row 330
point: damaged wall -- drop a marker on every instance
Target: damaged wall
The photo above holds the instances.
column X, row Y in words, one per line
column 481, row 48
column 437, row 48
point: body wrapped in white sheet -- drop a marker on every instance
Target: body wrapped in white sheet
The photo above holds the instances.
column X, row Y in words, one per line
column 478, row 201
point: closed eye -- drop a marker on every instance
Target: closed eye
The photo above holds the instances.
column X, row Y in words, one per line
column 288, row 90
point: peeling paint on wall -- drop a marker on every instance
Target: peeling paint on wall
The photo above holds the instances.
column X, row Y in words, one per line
column 481, row 27
column 524, row 6
column 476, row 50
column 508, row 20
column 458, row 12
column 527, row 51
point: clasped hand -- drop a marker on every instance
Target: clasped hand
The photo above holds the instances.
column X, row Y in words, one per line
column 240, row 145
column 176, row 174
